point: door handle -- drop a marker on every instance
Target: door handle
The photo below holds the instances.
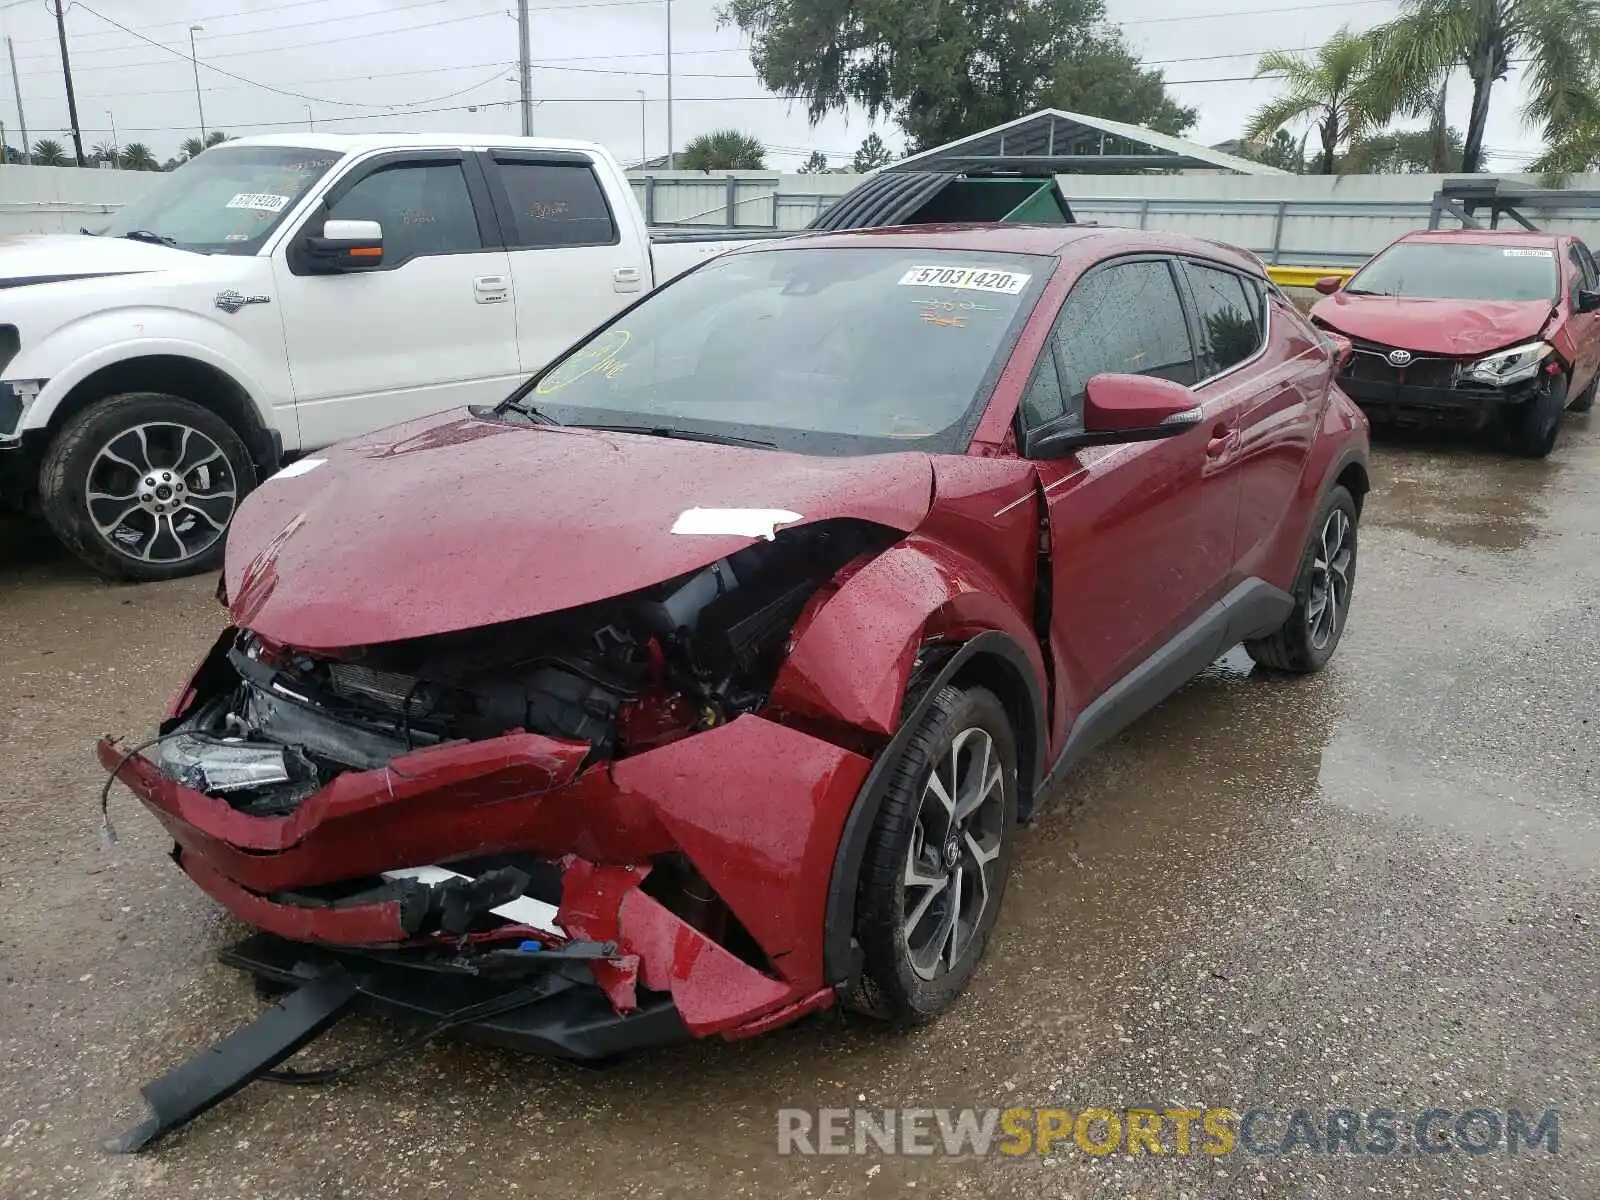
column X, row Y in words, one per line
column 490, row 289
column 1221, row 439
column 627, row 279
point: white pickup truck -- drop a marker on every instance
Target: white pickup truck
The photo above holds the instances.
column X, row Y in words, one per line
column 278, row 294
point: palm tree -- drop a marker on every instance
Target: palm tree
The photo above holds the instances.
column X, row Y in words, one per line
column 1555, row 42
column 105, row 152
column 723, row 150
column 192, row 147
column 1328, row 90
column 216, row 137
column 136, row 156
column 47, row 152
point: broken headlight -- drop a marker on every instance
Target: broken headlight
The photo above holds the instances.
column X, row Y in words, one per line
column 1515, row 365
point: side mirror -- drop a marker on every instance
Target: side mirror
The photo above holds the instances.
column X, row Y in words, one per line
column 1119, row 409
column 346, row 246
column 1588, row 300
column 1329, row 284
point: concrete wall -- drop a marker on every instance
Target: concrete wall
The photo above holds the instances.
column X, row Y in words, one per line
column 61, row 199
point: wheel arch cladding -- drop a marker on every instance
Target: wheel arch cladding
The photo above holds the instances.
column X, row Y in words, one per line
column 1354, row 479
column 992, row 660
column 187, row 379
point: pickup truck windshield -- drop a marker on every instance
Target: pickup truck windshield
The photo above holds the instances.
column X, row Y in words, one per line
column 823, row 351
column 226, row 201
column 1460, row 271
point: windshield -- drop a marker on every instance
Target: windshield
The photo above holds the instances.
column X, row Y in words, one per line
column 227, row 200
column 1459, row 271
column 825, row 351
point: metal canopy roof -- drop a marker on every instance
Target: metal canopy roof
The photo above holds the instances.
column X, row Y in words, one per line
column 1073, row 142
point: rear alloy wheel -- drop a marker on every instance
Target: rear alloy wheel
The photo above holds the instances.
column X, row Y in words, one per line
column 142, row 486
column 938, row 860
column 1535, row 423
column 1322, row 593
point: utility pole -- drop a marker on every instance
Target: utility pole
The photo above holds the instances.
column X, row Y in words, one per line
column 311, row 123
column 22, row 120
column 644, row 151
column 66, row 71
column 116, row 148
column 194, row 61
column 672, row 147
column 525, row 83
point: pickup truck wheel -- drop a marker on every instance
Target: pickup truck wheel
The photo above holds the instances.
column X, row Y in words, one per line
column 1322, row 591
column 141, row 486
column 936, row 865
column 1536, row 422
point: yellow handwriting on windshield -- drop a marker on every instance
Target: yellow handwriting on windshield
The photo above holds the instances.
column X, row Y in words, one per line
column 598, row 355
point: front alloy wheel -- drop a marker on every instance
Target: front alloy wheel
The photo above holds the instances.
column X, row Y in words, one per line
column 937, row 859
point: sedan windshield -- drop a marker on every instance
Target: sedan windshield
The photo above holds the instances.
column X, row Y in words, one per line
column 826, row 351
column 1459, row 271
column 226, row 201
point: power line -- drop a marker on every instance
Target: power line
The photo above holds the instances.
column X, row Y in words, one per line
column 1250, row 12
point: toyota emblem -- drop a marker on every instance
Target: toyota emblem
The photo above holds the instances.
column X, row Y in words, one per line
column 1399, row 358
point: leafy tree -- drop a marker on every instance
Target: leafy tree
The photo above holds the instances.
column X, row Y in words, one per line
column 104, row 152
column 216, row 137
column 817, row 164
column 1281, row 150
column 871, row 155
column 172, row 164
column 1556, row 43
column 1399, row 152
column 47, row 152
column 723, row 150
column 945, row 70
column 1328, row 89
column 136, row 156
column 1105, row 79
column 10, row 154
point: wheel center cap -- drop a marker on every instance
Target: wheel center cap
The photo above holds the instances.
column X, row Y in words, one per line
column 952, row 853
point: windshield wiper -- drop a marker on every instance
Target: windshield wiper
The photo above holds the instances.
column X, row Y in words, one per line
column 522, row 410
column 145, row 235
column 86, row 231
column 687, row 435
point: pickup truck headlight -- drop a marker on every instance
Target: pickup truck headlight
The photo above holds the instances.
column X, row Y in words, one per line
column 1509, row 366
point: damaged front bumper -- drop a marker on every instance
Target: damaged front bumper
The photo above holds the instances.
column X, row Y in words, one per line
column 753, row 809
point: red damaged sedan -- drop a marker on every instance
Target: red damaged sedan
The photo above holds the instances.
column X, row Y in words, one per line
column 704, row 682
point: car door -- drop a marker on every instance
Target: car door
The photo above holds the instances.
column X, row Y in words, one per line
column 1141, row 535
column 433, row 327
column 1585, row 326
column 1261, row 362
column 571, row 266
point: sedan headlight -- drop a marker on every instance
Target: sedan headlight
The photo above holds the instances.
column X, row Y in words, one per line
column 1509, row 366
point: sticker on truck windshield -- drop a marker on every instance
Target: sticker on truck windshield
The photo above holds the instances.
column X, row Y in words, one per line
column 970, row 279
column 1529, row 253
column 259, row 202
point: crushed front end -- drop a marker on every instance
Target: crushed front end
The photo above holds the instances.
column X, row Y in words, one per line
column 1393, row 385
column 601, row 800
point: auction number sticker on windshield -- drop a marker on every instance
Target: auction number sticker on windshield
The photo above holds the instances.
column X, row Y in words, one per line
column 259, row 202
column 970, row 279
column 1529, row 253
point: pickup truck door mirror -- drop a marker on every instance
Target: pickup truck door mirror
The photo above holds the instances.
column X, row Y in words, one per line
column 1588, row 300
column 1118, row 409
column 346, row 246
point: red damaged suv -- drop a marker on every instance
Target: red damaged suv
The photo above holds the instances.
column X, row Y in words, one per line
column 1472, row 327
column 704, row 682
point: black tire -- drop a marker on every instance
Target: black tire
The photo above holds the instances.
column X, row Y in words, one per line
column 1303, row 643
column 99, row 450
column 1535, row 424
column 1585, row 398
column 891, row 987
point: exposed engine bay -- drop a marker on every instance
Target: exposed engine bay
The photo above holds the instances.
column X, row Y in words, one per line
column 273, row 725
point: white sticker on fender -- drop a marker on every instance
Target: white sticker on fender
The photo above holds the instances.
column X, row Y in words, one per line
column 1521, row 253
column 259, row 201
column 735, row 522
column 301, row 467
column 967, row 279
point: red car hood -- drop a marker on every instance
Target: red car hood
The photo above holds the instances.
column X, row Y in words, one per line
column 1454, row 328
column 451, row 522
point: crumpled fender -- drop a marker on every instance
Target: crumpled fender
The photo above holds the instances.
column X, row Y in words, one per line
column 852, row 661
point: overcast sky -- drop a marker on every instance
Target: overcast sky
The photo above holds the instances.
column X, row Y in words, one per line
column 420, row 64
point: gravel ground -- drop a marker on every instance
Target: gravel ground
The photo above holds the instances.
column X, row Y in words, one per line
column 1372, row 889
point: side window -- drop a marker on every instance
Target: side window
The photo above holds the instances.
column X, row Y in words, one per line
column 1125, row 318
column 1229, row 310
column 1583, row 268
column 1591, row 272
column 1044, row 401
column 423, row 208
column 556, row 204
